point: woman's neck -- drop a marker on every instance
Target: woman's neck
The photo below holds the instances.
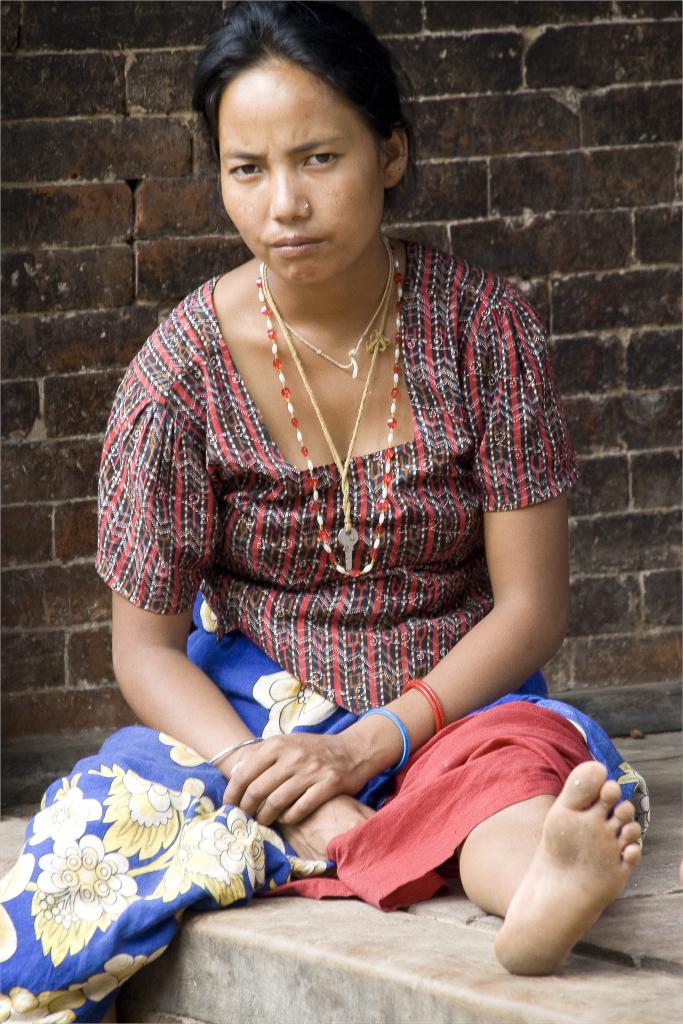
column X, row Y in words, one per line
column 332, row 314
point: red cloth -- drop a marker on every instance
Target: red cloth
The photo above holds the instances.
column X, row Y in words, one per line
column 463, row 775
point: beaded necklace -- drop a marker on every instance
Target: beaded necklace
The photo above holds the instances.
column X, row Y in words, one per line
column 348, row 535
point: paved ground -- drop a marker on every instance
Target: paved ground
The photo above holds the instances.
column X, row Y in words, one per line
column 342, row 962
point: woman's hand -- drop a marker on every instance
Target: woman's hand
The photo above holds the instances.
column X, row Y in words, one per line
column 311, row 837
column 287, row 778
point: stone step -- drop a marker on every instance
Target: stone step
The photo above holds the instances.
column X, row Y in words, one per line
column 336, row 962
column 285, row 959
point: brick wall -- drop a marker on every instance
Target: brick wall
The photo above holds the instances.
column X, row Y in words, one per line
column 549, row 146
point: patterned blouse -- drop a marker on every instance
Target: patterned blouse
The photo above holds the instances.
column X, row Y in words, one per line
column 194, row 493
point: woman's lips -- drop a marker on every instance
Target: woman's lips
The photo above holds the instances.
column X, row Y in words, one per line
column 297, row 246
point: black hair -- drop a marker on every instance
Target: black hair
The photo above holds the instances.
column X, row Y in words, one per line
column 322, row 37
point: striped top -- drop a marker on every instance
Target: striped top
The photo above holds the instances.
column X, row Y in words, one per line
column 194, row 493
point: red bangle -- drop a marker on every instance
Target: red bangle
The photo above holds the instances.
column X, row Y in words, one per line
column 434, row 702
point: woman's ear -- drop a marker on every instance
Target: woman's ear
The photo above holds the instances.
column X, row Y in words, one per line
column 394, row 157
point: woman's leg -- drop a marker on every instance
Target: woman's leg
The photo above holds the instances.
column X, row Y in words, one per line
column 550, row 867
column 121, row 847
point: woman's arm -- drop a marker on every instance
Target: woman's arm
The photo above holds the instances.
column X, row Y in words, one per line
column 527, row 553
column 163, row 687
column 169, row 692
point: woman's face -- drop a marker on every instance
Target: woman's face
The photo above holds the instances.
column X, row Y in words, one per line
column 302, row 175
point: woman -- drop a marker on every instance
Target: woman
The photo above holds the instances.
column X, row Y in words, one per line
column 360, row 616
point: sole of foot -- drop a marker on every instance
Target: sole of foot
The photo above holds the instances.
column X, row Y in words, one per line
column 582, row 864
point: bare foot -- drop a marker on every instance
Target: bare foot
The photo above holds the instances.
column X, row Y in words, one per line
column 311, row 836
column 582, row 863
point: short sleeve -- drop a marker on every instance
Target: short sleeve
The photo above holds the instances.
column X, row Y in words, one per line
column 523, row 451
column 156, row 506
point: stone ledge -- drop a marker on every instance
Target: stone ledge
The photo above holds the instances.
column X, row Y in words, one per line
column 288, row 959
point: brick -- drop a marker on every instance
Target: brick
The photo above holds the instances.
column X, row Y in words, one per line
column 10, row 19
column 20, row 407
column 89, row 657
column 590, row 56
column 102, row 25
column 169, row 269
column 592, row 363
column 79, row 404
column 67, row 215
column 204, row 163
column 487, row 62
column 161, row 82
column 603, row 604
column 445, row 191
column 625, row 299
column 430, row 234
column 656, row 479
column 180, row 206
column 599, row 179
column 622, row 117
column 55, row 595
column 558, row 671
column 482, row 125
column 536, row 291
column 602, row 486
column 649, row 9
column 390, row 19
column 63, row 85
column 625, row 542
column 464, row 16
column 50, row 470
column 26, row 534
column 619, row 660
column 35, row 346
column 123, row 147
column 76, row 530
column 562, row 242
column 55, row 279
column 653, row 359
column 658, row 235
column 32, row 661
column 650, row 419
column 662, row 598
column 23, row 715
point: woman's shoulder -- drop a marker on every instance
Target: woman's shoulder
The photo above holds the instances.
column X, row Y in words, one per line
column 474, row 290
column 176, row 353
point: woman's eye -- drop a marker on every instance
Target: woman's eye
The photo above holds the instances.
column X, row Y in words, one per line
column 244, row 170
column 319, row 159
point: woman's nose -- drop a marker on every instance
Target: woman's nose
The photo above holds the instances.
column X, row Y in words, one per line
column 287, row 201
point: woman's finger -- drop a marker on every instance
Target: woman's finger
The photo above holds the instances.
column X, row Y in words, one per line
column 247, row 768
column 276, row 803
column 309, row 801
column 263, row 789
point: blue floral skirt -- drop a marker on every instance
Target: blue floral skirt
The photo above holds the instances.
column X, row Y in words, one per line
column 138, row 833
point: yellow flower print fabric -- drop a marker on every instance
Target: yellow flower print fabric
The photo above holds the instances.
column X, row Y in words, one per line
column 113, row 858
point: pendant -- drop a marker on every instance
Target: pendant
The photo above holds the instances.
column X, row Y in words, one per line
column 376, row 341
column 354, row 363
column 348, row 542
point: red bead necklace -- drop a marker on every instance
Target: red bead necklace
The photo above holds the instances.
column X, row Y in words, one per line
column 348, row 536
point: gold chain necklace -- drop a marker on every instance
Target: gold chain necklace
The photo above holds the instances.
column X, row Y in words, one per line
column 353, row 352
column 348, row 535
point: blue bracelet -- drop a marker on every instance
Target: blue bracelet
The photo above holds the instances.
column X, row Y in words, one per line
column 401, row 728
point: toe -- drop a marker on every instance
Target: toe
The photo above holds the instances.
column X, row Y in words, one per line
column 630, row 833
column 623, row 813
column 584, row 785
column 610, row 794
column 631, row 854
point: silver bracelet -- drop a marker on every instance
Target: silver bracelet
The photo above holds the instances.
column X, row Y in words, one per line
column 229, row 750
